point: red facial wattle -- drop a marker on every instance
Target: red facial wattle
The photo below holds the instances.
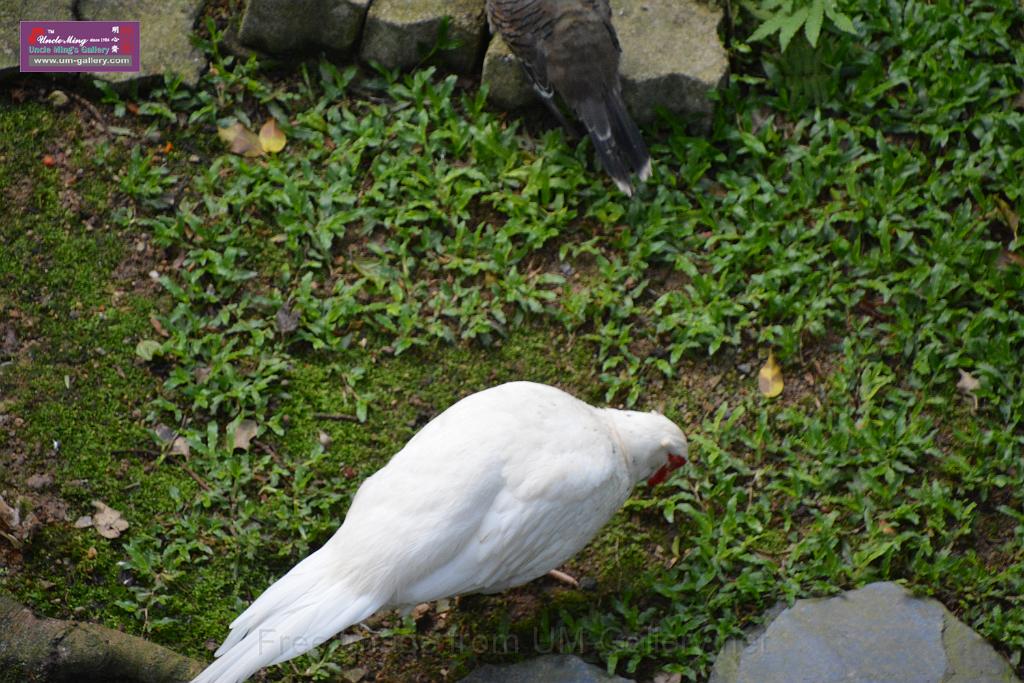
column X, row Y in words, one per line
column 673, row 464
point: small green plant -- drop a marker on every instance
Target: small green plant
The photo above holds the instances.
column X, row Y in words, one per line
column 787, row 17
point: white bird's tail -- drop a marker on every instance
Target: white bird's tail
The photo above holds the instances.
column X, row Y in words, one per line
column 303, row 609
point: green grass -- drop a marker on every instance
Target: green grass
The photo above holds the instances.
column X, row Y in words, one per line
column 854, row 210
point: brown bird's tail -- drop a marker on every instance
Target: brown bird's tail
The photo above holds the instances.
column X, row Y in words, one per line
column 618, row 141
column 570, row 47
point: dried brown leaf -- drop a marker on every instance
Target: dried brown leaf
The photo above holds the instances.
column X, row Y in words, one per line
column 354, row 675
column 164, row 433
column 202, row 373
column 39, row 481
column 968, row 383
column 244, row 433
column 107, row 521
column 9, row 516
column 287, row 319
column 240, row 140
column 180, row 447
column 158, row 326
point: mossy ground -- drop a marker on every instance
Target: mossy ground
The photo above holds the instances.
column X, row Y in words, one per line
column 77, row 293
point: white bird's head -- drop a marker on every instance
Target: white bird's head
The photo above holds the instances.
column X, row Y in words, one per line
column 654, row 446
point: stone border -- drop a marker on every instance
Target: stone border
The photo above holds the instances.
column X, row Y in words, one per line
column 672, row 56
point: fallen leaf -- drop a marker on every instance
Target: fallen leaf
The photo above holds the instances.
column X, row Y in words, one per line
column 1007, row 257
column 164, row 433
column 244, row 432
column 354, row 675
column 9, row 516
column 38, row 481
column 287, row 319
column 91, row 553
column 420, row 611
column 83, row 522
column 202, row 373
column 107, row 521
column 147, row 348
column 180, row 447
column 272, row 138
column 769, row 378
column 240, row 140
column 968, row 384
column 58, row 98
column 48, row 160
column 158, row 326
column 346, row 639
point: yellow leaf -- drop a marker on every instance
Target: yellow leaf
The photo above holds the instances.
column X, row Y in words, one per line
column 769, row 378
column 272, row 138
column 241, row 140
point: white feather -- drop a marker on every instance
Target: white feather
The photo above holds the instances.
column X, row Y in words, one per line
column 502, row 487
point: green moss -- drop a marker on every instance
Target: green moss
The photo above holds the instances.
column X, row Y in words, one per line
column 74, row 385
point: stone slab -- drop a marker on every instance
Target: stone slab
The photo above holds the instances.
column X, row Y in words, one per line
column 398, row 32
column 13, row 11
column 507, row 85
column 165, row 28
column 671, row 57
column 303, row 26
column 880, row 632
column 545, row 669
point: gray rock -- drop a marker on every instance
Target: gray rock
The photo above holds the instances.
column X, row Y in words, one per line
column 13, row 11
column 546, row 669
column 280, row 26
column 165, row 30
column 671, row 58
column 398, row 32
column 507, row 85
column 877, row 633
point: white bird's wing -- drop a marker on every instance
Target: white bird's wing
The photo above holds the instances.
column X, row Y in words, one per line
column 498, row 507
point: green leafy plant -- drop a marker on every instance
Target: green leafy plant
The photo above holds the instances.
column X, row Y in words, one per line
column 787, row 17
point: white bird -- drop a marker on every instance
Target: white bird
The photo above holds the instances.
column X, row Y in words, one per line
column 494, row 492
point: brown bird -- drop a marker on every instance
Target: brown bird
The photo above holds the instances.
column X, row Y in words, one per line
column 569, row 47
